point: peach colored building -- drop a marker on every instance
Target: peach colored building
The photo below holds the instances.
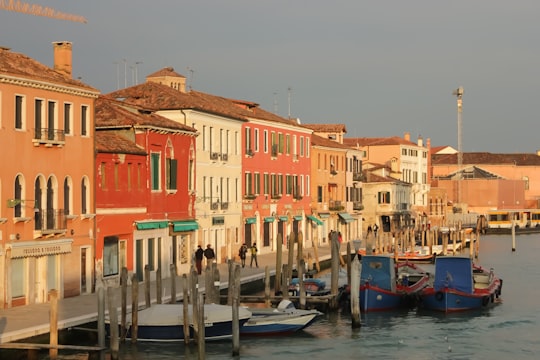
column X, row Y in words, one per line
column 47, row 210
column 328, row 190
column 489, row 181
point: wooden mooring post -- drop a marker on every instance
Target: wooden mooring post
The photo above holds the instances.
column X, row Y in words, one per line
column 355, row 292
column 235, row 309
column 134, row 308
column 123, row 302
column 113, row 323
column 53, row 320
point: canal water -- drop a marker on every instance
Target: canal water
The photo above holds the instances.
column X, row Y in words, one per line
column 510, row 330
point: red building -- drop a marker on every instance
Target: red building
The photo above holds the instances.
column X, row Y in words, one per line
column 145, row 211
column 276, row 178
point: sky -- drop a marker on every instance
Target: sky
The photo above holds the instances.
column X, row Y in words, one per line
column 382, row 68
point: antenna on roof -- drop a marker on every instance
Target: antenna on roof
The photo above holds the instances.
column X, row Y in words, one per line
column 289, row 90
column 190, row 83
column 275, row 103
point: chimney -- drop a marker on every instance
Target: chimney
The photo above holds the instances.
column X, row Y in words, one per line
column 62, row 57
column 420, row 141
column 407, row 136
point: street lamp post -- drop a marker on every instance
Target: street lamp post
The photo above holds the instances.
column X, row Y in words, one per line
column 459, row 94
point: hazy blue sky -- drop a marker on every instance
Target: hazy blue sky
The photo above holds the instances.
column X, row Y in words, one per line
column 380, row 67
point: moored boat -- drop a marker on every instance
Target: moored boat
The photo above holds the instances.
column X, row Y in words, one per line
column 277, row 321
column 460, row 285
column 165, row 322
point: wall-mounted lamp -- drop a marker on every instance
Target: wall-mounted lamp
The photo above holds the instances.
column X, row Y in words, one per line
column 18, row 236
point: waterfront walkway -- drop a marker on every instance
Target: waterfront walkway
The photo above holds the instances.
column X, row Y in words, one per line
column 23, row 322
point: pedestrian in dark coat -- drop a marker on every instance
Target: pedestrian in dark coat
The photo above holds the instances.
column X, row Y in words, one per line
column 209, row 255
column 199, row 253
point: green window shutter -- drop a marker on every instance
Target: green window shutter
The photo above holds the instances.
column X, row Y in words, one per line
column 172, row 168
column 155, row 171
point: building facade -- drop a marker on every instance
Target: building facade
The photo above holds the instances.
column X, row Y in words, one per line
column 47, row 208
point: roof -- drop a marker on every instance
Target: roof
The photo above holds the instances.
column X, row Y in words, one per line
column 383, row 141
column 22, row 66
column 167, row 71
column 317, row 140
column 155, row 96
column 110, row 113
column 112, row 142
column 487, row 158
column 334, row 128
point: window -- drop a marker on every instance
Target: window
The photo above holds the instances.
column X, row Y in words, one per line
column 281, row 143
column 301, row 146
column 257, row 184
column 249, row 188
column 154, row 169
column 319, row 194
column 129, row 166
column 84, row 120
column 102, row 172
column 110, row 256
column 51, row 120
column 67, row 196
column 248, row 140
column 266, row 185
column 307, row 147
column 38, row 110
column 288, row 144
column 19, row 112
column 265, row 140
column 18, row 196
column 116, row 179
column 384, row 197
column 85, row 195
column 172, row 170
column 67, row 118
column 256, row 140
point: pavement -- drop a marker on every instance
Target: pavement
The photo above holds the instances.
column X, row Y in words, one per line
column 23, row 322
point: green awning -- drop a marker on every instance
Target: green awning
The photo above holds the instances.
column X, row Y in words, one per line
column 323, row 215
column 149, row 225
column 284, row 218
column 346, row 217
column 314, row 219
column 269, row 219
column 297, row 217
column 189, row 225
column 251, row 220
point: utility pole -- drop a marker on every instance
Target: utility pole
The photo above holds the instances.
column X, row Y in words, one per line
column 459, row 94
column 289, row 90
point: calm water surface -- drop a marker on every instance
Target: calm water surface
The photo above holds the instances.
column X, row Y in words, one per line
column 510, row 330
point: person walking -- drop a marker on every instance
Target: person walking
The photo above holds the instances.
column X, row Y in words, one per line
column 209, row 255
column 242, row 253
column 199, row 253
column 254, row 255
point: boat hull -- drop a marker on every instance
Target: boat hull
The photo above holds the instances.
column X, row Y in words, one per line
column 277, row 326
column 449, row 300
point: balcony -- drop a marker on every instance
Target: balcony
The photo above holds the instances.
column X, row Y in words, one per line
column 357, row 205
column 214, row 156
column 214, row 206
column 274, row 150
column 250, row 153
column 275, row 196
column 224, row 205
column 358, row 177
column 250, row 196
column 335, row 206
column 224, row 157
column 50, row 221
column 49, row 137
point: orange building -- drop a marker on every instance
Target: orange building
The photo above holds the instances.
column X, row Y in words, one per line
column 46, row 179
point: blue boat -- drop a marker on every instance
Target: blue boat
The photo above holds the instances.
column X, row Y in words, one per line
column 385, row 285
column 278, row 321
column 460, row 285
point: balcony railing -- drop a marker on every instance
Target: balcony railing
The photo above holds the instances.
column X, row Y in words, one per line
column 357, row 205
column 49, row 135
column 224, row 205
column 358, row 177
column 335, row 206
column 50, row 221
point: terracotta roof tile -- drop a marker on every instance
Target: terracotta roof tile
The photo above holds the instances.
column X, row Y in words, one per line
column 108, row 141
column 327, row 127
column 320, row 141
column 111, row 113
column 168, row 71
column 154, row 96
column 382, row 141
column 487, row 158
column 20, row 65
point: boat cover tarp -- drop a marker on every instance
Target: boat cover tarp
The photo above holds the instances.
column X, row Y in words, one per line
column 455, row 273
column 379, row 271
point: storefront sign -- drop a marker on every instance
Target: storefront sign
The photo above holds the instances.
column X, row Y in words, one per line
column 41, row 248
